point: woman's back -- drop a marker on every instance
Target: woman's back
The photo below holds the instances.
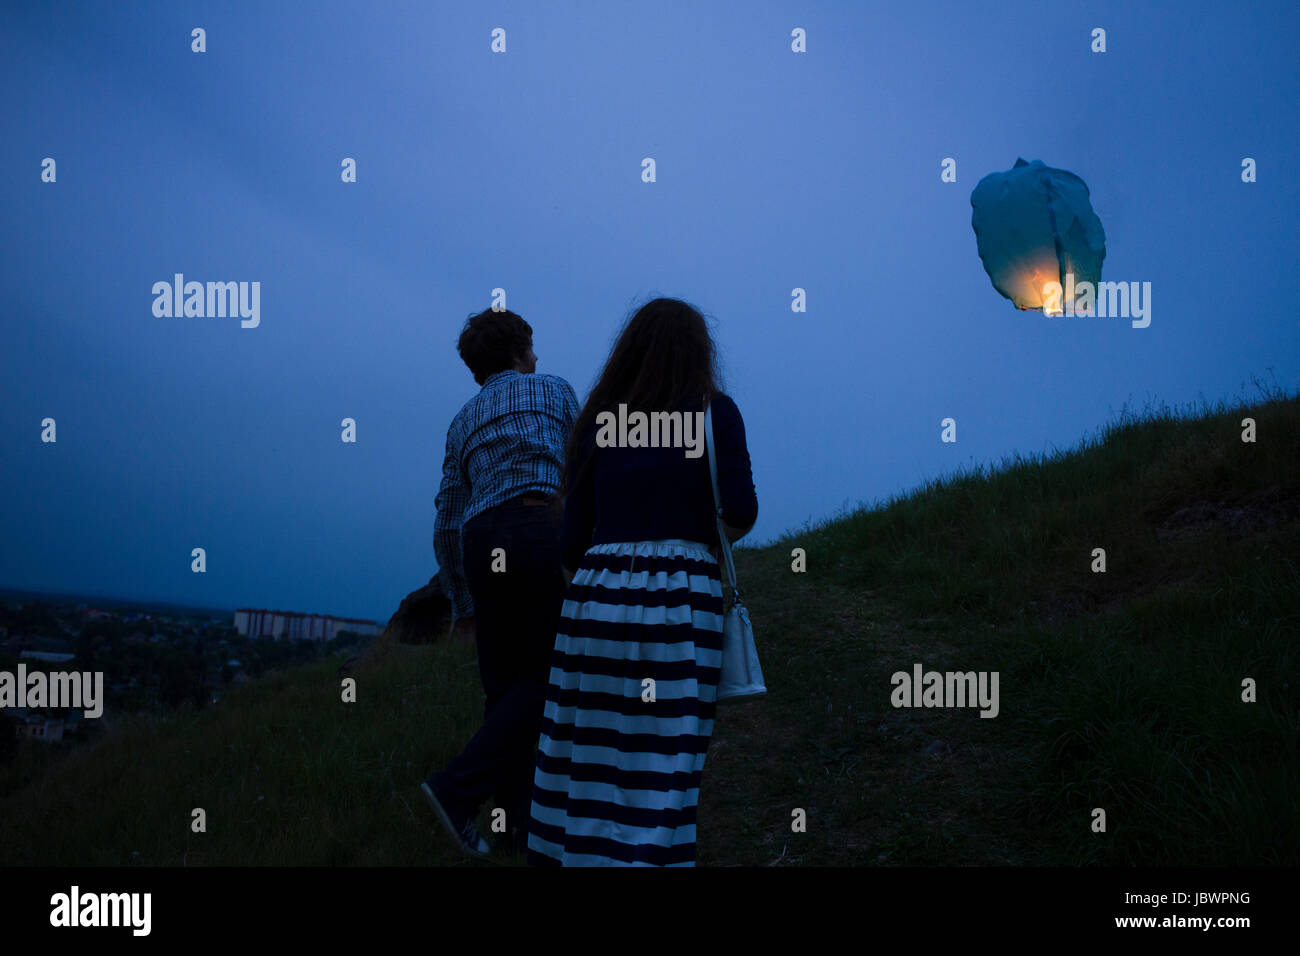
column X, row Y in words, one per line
column 647, row 494
column 618, row 772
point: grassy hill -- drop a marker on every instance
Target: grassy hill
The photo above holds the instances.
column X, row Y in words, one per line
column 1120, row 690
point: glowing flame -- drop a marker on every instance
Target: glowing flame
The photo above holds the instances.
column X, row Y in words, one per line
column 1052, row 296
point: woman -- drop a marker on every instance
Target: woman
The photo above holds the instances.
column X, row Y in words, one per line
column 618, row 773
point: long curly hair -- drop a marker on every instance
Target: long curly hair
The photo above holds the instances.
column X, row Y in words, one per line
column 663, row 358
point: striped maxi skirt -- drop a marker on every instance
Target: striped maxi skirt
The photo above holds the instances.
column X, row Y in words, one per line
column 618, row 776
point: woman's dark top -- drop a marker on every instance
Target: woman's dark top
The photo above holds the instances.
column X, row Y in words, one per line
column 646, row 494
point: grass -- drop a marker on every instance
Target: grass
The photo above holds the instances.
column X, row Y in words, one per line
column 1119, row 690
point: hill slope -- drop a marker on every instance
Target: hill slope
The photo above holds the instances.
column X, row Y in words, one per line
column 1119, row 690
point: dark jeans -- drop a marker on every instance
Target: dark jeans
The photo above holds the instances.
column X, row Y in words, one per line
column 516, row 614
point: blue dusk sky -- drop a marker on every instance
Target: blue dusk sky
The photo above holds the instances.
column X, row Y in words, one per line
column 776, row 170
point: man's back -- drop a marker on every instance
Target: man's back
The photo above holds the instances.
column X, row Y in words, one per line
column 507, row 440
column 510, row 437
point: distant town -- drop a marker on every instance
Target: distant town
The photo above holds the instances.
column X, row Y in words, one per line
column 154, row 658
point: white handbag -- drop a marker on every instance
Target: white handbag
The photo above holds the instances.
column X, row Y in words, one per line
column 742, row 678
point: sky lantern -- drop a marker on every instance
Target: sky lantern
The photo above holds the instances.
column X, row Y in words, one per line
column 1034, row 227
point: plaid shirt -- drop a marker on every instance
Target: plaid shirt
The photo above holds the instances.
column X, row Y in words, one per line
column 508, row 439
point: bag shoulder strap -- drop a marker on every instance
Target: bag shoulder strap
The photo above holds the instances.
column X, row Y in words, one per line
column 728, row 565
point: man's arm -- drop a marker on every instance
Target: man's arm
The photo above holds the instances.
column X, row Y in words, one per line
column 571, row 409
column 453, row 498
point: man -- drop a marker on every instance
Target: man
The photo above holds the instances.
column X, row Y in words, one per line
column 497, row 539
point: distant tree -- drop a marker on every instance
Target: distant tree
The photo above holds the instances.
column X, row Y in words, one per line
column 174, row 677
column 39, row 619
column 84, row 648
column 109, row 628
column 8, row 737
column 345, row 639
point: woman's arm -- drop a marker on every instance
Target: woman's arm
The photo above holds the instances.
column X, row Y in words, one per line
column 735, row 478
column 579, row 509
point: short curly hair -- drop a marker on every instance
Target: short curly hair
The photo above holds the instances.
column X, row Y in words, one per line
column 492, row 341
